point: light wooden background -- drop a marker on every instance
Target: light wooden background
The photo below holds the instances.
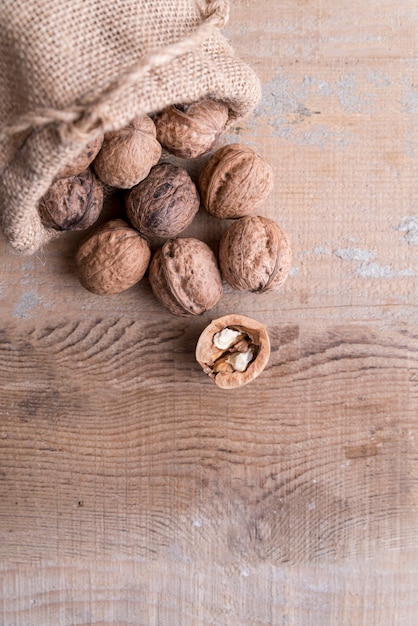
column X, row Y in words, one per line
column 132, row 490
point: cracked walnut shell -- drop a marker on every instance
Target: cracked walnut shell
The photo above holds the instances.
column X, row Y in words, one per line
column 113, row 258
column 185, row 277
column 191, row 130
column 128, row 154
column 72, row 203
column 255, row 254
column 163, row 204
column 233, row 350
column 235, row 182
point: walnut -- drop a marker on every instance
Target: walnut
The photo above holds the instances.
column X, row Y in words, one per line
column 191, row 130
column 128, row 154
column 113, row 258
column 235, row 182
column 233, row 350
column 72, row 203
column 84, row 159
column 163, row 204
column 255, row 254
column 185, row 277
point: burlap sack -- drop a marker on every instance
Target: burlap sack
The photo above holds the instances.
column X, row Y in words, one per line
column 69, row 68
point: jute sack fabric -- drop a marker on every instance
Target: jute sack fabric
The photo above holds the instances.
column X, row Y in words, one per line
column 70, row 69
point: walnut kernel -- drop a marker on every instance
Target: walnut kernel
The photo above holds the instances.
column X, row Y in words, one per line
column 233, row 350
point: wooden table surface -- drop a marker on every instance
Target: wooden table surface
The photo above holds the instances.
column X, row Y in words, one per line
column 133, row 490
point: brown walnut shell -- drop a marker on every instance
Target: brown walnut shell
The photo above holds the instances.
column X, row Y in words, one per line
column 215, row 361
column 163, row 204
column 84, row 159
column 185, row 277
column 128, row 154
column 255, row 254
column 113, row 258
column 235, row 182
column 72, row 203
column 191, row 130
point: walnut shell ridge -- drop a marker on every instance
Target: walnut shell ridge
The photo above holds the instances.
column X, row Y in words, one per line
column 113, row 258
column 163, row 204
column 208, row 355
column 128, row 154
column 185, row 277
column 191, row 130
column 235, row 182
column 255, row 254
column 72, row 203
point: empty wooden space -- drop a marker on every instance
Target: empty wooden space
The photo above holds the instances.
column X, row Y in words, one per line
column 133, row 491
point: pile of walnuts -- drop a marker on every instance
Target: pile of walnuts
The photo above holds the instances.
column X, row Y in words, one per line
column 161, row 201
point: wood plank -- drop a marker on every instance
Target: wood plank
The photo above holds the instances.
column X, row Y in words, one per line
column 102, row 450
column 134, row 593
column 132, row 489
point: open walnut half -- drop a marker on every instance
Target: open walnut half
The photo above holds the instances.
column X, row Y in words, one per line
column 233, row 350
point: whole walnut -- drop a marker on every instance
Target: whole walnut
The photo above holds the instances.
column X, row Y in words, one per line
column 113, row 258
column 72, row 203
column 163, row 204
column 185, row 277
column 191, row 130
column 233, row 350
column 128, row 154
column 255, row 254
column 83, row 159
column 235, row 182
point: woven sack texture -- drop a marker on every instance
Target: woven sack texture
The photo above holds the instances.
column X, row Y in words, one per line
column 69, row 69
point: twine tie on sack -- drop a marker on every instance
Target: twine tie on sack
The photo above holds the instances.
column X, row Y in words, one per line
column 40, row 141
column 80, row 120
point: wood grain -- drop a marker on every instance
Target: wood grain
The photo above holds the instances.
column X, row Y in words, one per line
column 132, row 490
column 137, row 594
